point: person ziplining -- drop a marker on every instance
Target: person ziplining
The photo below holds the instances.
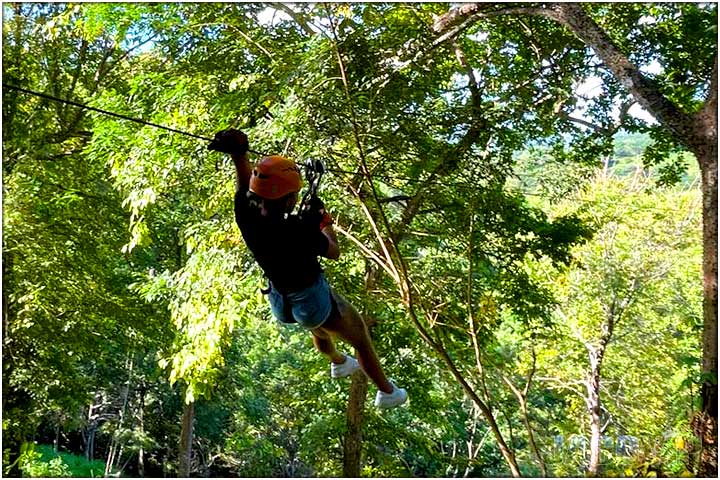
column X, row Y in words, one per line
column 265, row 196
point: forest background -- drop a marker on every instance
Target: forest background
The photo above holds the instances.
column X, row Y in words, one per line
column 526, row 196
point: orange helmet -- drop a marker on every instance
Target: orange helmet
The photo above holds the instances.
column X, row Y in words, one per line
column 274, row 177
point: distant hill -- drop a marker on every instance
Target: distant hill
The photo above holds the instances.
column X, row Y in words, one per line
column 536, row 171
column 630, row 144
column 627, row 158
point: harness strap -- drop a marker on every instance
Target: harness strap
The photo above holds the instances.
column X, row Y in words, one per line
column 287, row 310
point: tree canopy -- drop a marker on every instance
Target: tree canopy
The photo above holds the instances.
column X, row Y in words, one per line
column 530, row 251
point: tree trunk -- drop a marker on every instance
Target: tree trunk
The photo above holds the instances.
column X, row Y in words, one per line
column 91, row 426
column 186, row 439
column 593, row 404
column 116, row 447
column 697, row 132
column 110, row 460
column 352, row 448
column 141, row 426
column 706, row 422
column 704, row 144
column 8, row 314
column 118, row 459
column 7, row 269
column 56, row 442
column 91, row 445
column 522, row 401
column 352, row 454
column 90, row 448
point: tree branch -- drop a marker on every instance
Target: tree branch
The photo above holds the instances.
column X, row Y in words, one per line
column 566, row 385
column 395, row 198
column 574, row 18
column 368, row 253
column 298, row 17
column 645, row 91
column 470, row 12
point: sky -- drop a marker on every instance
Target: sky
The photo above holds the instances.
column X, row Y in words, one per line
column 591, row 87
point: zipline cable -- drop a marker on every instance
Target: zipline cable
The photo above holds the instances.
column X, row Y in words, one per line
column 125, row 117
column 200, row 137
column 106, row 112
column 163, row 127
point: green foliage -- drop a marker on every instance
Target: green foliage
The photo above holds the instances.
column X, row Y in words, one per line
column 128, row 290
column 627, row 272
column 43, row 461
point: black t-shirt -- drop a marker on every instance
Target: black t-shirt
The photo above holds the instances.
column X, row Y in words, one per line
column 286, row 249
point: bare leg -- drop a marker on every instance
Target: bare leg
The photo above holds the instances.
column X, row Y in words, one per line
column 326, row 346
column 350, row 327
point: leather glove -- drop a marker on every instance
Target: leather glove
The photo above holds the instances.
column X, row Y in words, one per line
column 315, row 214
column 230, row 141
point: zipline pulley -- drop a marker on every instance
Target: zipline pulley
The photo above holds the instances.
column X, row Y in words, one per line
column 314, row 170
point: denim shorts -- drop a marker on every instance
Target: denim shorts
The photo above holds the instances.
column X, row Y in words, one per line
column 310, row 307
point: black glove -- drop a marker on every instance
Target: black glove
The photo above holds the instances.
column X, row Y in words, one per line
column 230, row 141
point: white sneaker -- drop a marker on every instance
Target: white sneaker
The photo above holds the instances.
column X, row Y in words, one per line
column 348, row 367
column 388, row 400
